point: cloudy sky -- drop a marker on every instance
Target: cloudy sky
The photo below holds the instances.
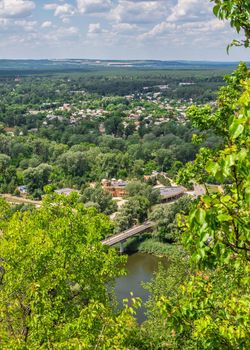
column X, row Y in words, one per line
column 114, row 29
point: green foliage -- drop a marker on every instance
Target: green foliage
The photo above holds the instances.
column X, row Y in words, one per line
column 36, row 178
column 156, row 247
column 145, row 190
column 150, row 166
column 134, row 211
column 54, row 276
column 210, row 310
column 224, row 216
column 4, row 213
column 238, row 14
column 4, row 162
column 73, row 163
column 54, row 272
column 99, row 137
column 205, row 118
column 165, row 217
column 99, row 197
column 163, row 180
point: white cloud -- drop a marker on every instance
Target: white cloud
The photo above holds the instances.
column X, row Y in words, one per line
column 139, row 12
column 28, row 26
column 208, row 27
column 189, row 10
column 94, row 28
column 93, row 6
column 118, row 28
column 46, row 24
column 188, row 18
column 64, row 32
column 161, row 28
column 16, row 8
column 125, row 27
column 50, row 6
column 62, row 11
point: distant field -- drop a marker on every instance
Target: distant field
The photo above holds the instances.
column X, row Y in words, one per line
column 48, row 67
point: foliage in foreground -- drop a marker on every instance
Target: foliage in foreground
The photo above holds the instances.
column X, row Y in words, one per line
column 53, row 280
column 210, row 308
column 238, row 13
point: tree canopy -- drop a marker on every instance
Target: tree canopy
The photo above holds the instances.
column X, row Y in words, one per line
column 53, row 280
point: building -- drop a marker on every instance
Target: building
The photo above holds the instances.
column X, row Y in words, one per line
column 171, row 193
column 117, row 188
column 23, row 190
column 66, row 191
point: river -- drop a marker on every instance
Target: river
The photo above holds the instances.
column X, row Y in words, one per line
column 141, row 268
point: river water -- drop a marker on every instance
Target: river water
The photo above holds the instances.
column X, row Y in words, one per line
column 141, row 268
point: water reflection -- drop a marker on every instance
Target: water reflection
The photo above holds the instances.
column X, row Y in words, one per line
column 141, row 268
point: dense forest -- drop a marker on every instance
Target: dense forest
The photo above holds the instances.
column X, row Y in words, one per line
column 149, row 129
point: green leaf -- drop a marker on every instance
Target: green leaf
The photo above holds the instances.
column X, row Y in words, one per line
column 236, row 129
column 212, row 167
column 216, row 10
column 200, row 216
column 247, row 195
column 224, row 217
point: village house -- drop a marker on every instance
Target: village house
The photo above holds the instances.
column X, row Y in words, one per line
column 171, row 193
column 117, row 188
column 66, row 191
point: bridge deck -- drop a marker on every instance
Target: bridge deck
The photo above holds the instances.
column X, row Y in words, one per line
column 122, row 236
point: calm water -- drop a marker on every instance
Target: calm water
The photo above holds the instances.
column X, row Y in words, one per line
column 141, row 268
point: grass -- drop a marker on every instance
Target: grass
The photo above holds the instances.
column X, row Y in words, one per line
column 153, row 246
column 150, row 245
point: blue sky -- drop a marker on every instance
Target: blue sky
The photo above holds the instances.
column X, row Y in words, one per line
column 115, row 29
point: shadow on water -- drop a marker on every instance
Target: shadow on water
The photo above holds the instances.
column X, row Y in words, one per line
column 140, row 268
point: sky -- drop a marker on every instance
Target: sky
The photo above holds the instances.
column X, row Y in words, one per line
column 115, row 29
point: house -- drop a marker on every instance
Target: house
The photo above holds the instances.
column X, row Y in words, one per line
column 170, row 193
column 117, row 188
column 10, row 131
column 66, row 107
column 23, row 190
column 66, row 191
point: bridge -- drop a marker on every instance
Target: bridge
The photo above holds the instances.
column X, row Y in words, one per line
column 124, row 235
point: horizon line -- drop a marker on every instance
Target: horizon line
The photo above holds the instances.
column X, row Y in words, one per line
column 121, row 59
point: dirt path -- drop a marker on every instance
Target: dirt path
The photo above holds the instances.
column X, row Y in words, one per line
column 20, row 200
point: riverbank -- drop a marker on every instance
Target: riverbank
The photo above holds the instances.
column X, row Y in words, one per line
column 150, row 245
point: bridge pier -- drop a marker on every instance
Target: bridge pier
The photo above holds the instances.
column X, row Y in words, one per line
column 122, row 247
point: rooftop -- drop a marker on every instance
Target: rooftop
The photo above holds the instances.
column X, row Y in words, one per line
column 168, row 192
column 66, row 191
